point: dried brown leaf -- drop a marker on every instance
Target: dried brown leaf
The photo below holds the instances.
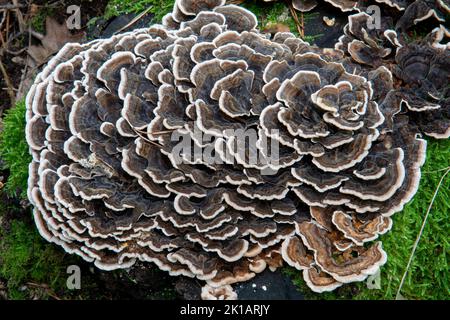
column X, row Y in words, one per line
column 57, row 35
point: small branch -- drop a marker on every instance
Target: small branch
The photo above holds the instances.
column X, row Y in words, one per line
column 7, row 24
column 10, row 89
column 16, row 53
column 435, row 171
column 19, row 15
column 161, row 132
column 2, row 39
column 2, row 18
column 416, row 243
column 11, row 6
column 24, row 76
column 46, row 288
column 300, row 24
column 9, row 40
column 36, row 34
column 135, row 19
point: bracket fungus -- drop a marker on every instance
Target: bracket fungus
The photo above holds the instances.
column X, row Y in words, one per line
column 346, row 5
column 420, row 9
column 413, row 75
column 410, row 12
column 109, row 182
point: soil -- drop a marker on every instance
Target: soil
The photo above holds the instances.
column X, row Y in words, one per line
column 326, row 35
column 268, row 286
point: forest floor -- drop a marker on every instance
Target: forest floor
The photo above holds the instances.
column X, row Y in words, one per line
column 31, row 268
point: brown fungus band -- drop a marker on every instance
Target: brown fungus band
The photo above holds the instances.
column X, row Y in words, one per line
column 110, row 183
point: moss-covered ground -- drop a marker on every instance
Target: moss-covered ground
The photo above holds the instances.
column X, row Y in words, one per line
column 14, row 150
column 158, row 8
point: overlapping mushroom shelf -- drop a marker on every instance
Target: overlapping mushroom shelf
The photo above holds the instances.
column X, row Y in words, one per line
column 409, row 12
column 109, row 182
column 421, row 70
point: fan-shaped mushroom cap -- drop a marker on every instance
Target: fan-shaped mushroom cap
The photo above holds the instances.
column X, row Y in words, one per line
column 221, row 293
column 365, row 45
column 421, row 10
column 419, row 68
column 355, row 5
column 213, row 151
column 425, row 91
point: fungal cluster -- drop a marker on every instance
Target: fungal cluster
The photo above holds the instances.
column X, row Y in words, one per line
column 110, row 183
column 412, row 11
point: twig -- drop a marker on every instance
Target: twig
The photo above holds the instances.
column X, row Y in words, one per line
column 46, row 288
column 36, row 34
column 161, row 132
column 299, row 24
column 16, row 53
column 2, row 39
column 302, row 24
column 7, row 25
column 135, row 19
column 437, row 170
column 398, row 295
column 19, row 15
column 10, row 89
column 24, row 72
column 141, row 135
column 2, row 18
column 11, row 6
column 10, row 39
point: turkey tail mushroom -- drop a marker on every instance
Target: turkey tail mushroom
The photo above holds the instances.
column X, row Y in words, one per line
column 421, row 10
column 347, row 5
column 424, row 69
column 418, row 71
column 214, row 152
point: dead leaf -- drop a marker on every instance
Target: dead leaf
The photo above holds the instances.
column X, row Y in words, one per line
column 329, row 21
column 275, row 27
column 56, row 36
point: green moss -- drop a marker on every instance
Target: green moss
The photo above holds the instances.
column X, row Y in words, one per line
column 272, row 13
column 14, row 150
column 159, row 8
column 26, row 258
column 428, row 276
column 269, row 13
column 37, row 23
column 33, row 268
column 312, row 38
